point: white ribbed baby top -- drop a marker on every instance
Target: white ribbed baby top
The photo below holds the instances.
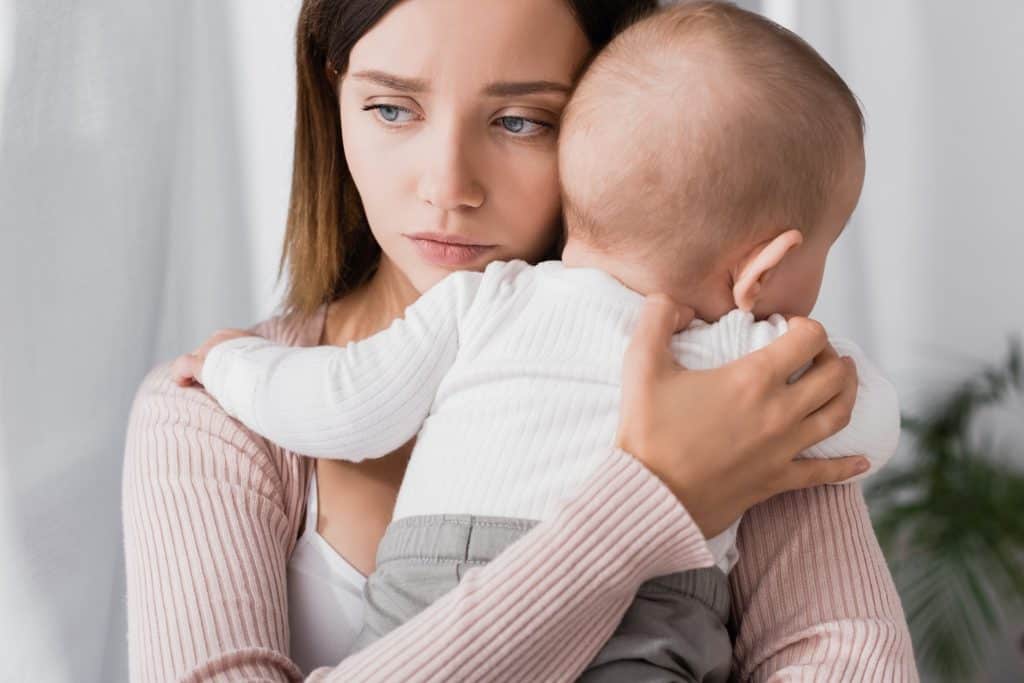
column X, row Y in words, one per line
column 510, row 377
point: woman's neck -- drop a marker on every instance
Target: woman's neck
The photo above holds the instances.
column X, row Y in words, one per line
column 370, row 308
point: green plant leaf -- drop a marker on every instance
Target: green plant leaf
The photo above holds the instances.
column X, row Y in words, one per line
column 951, row 523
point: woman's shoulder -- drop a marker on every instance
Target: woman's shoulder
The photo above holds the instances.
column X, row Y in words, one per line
column 293, row 329
column 170, row 402
column 160, row 399
column 183, row 432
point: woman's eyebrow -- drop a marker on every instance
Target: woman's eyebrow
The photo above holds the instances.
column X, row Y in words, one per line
column 499, row 89
column 401, row 83
column 515, row 88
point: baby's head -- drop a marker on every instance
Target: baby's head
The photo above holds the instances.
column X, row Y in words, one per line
column 711, row 154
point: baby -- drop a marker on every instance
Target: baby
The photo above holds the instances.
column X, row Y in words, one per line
column 707, row 154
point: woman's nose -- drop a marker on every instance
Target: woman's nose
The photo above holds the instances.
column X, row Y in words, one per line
column 449, row 181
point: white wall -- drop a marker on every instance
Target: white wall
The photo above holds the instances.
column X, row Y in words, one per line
column 263, row 44
column 929, row 275
column 123, row 241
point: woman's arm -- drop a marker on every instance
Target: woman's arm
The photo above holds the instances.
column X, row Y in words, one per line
column 210, row 515
column 812, row 596
column 545, row 606
column 208, row 530
column 207, row 533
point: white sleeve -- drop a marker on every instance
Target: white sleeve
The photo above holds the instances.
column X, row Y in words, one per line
column 352, row 403
column 874, row 428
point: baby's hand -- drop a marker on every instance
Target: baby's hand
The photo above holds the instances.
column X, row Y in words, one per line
column 187, row 369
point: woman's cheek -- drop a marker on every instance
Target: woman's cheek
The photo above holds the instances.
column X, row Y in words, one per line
column 358, row 144
column 377, row 171
column 539, row 207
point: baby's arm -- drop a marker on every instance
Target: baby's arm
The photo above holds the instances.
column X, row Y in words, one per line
column 357, row 402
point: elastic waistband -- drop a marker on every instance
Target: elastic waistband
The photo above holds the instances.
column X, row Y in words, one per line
column 478, row 539
column 458, row 538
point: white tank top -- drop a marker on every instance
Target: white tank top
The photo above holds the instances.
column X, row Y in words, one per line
column 325, row 597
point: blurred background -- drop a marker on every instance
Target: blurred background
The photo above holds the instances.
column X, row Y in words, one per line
column 145, row 163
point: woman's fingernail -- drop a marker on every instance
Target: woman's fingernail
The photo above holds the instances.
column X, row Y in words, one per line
column 861, row 466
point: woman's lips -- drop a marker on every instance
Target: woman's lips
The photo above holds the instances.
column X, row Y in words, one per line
column 444, row 253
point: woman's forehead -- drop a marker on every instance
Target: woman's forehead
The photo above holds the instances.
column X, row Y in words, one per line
column 472, row 43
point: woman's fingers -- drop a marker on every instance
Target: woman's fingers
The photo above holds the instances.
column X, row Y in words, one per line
column 802, row 474
column 649, row 372
column 801, row 343
column 684, row 317
column 744, row 422
column 829, row 419
column 648, row 350
column 826, row 379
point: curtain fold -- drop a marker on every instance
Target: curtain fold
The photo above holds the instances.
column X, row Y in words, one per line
column 123, row 241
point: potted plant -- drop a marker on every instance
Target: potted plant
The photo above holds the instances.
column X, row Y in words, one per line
column 950, row 519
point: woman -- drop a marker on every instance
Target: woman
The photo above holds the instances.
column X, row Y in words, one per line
column 448, row 111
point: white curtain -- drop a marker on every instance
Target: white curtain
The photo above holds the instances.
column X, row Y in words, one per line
column 145, row 154
column 123, row 240
column 929, row 273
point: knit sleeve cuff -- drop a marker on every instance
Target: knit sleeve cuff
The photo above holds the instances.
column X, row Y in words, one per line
column 231, row 378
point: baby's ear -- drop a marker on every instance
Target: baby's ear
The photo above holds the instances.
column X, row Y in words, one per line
column 755, row 268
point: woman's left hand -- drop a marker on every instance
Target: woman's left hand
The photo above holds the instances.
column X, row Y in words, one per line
column 187, row 369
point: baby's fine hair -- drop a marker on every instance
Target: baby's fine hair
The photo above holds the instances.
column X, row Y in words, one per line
column 701, row 126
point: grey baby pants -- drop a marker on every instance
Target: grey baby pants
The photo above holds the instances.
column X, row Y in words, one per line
column 675, row 629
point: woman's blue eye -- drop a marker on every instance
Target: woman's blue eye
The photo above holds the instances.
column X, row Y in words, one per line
column 520, row 125
column 388, row 113
column 513, row 124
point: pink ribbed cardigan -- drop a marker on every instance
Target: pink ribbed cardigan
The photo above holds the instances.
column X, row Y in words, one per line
column 212, row 512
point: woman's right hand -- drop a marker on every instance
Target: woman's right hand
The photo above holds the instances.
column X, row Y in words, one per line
column 725, row 439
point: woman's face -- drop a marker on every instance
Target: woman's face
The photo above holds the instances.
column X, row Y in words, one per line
column 449, row 112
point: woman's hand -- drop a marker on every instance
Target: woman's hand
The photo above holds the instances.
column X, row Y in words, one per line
column 725, row 439
column 187, row 369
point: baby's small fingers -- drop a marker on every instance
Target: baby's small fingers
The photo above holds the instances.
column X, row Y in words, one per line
column 229, row 333
column 184, row 369
column 219, row 337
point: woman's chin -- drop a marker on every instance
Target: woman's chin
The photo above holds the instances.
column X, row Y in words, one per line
column 425, row 274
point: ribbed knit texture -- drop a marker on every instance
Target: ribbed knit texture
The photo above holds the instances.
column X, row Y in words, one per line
column 509, row 379
column 212, row 512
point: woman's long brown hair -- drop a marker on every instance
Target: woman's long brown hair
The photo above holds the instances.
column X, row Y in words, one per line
column 328, row 247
